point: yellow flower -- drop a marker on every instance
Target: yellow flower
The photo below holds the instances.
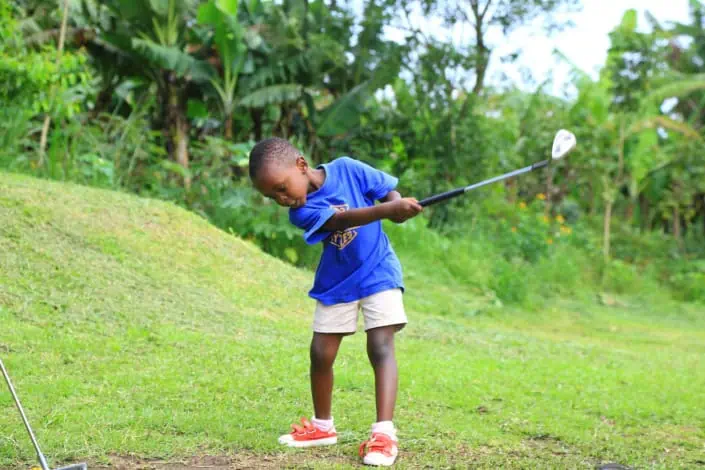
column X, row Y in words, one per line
column 560, row 219
column 566, row 230
column 545, row 219
column 541, row 196
column 522, row 205
column 550, row 241
column 514, row 229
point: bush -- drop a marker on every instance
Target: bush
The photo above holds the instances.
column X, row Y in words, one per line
column 510, row 281
column 689, row 283
column 245, row 212
column 566, row 271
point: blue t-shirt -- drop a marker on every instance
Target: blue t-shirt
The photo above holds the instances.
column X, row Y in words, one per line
column 359, row 261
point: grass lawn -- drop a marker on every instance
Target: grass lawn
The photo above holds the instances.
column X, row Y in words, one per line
column 138, row 335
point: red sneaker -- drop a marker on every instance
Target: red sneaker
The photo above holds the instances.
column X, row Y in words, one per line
column 380, row 450
column 308, row 435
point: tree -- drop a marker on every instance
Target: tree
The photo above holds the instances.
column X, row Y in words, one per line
column 682, row 89
column 152, row 39
column 479, row 16
column 313, row 77
column 60, row 50
column 229, row 41
column 40, row 79
column 627, row 135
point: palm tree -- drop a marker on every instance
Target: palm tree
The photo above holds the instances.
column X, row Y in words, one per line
column 151, row 40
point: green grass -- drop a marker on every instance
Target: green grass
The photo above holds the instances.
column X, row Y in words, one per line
column 134, row 330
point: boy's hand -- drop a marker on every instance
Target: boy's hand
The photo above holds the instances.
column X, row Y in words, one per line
column 403, row 209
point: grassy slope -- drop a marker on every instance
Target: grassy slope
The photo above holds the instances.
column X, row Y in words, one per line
column 131, row 327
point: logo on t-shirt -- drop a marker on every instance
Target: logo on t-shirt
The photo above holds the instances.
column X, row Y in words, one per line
column 342, row 238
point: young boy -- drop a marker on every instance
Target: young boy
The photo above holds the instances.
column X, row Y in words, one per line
column 335, row 204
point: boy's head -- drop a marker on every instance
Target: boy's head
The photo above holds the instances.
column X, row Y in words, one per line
column 280, row 172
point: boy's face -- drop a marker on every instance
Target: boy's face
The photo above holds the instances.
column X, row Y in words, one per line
column 286, row 184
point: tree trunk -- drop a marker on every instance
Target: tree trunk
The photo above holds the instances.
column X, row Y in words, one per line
column 629, row 211
column 644, row 213
column 593, row 200
column 677, row 226
column 611, row 195
column 102, row 101
column 229, row 126
column 181, row 147
column 179, row 129
column 47, row 118
column 256, row 115
column 43, row 139
column 606, row 235
column 481, row 60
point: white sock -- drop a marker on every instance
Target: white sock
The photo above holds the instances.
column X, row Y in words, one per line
column 385, row 427
column 323, row 424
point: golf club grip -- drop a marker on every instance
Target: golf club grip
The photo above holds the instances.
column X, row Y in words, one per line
column 540, row 164
column 441, row 197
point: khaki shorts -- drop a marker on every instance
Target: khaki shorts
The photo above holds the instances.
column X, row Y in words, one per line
column 382, row 309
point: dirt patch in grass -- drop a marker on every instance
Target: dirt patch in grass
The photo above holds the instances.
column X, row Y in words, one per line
column 242, row 460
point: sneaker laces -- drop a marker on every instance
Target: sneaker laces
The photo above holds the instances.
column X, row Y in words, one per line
column 379, row 442
column 307, row 427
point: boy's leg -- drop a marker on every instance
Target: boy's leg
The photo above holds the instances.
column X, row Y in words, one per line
column 384, row 317
column 380, row 350
column 382, row 447
column 324, row 348
column 330, row 324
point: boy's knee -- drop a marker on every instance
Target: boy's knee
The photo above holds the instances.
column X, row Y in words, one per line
column 380, row 349
column 322, row 355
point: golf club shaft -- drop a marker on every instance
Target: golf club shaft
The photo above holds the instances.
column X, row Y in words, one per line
column 458, row 191
column 42, row 460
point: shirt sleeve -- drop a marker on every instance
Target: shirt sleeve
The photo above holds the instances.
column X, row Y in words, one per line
column 311, row 220
column 374, row 183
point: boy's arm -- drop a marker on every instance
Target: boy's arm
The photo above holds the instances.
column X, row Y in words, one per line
column 391, row 196
column 397, row 209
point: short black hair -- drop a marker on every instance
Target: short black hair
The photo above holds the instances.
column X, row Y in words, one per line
column 272, row 150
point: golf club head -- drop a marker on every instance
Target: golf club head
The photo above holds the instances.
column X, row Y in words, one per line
column 77, row 466
column 563, row 144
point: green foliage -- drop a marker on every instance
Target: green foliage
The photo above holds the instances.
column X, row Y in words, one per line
column 511, row 14
column 35, row 82
column 689, row 286
column 8, row 25
column 508, row 283
column 247, row 214
column 230, row 45
column 272, row 95
column 623, row 278
column 221, row 193
column 525, row 231
column 688, row 282
column 165, row 99
column 170, row 58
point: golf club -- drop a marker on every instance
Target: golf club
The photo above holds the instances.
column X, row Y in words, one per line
column 563, row 144
column 42, row 460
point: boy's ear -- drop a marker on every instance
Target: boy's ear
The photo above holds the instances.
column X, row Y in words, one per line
column 301, row 164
